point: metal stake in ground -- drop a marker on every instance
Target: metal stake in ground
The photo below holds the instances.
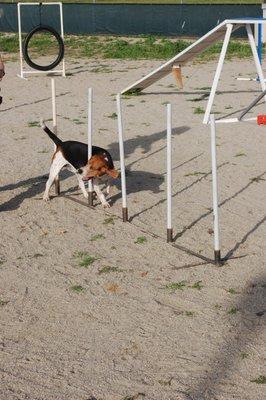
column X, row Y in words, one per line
column 56, row 181
column 169, row 173
column 122, row 159
column 217, row 252
column 90, row 185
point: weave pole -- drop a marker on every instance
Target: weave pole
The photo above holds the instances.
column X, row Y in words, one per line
column 122, row 158
column 56, row 181
column 169, row 231
column 90, row 184
column 217, row 251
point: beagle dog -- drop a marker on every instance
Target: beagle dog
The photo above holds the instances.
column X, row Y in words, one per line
column 74, row 155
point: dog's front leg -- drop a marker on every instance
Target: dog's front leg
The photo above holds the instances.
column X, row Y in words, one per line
column 100, row 193
column 81, row 184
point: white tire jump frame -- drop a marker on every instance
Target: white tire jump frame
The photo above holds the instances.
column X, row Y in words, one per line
column 24, row 72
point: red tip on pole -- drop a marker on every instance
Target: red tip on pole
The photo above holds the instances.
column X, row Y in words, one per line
column 261, row 119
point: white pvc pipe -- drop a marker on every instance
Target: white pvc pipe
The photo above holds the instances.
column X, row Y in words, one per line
column 54, row 105
column 214, row 185
column 20, row 41
column 218, row 73
column 121, row 151
column 90, row 96
column 256, row 57
column 169, row 165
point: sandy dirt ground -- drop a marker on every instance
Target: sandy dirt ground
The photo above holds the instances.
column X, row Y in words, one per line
column 144, row 320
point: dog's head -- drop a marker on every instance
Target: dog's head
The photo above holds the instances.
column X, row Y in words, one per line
column 97, row 167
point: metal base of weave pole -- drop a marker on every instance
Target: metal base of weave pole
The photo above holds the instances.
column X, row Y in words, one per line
column 169, row 235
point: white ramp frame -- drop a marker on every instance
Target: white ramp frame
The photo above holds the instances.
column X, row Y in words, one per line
column 24, row 72
column 256, row 56
column 218, row 73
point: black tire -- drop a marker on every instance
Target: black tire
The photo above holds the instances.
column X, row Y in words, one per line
column 60, row 42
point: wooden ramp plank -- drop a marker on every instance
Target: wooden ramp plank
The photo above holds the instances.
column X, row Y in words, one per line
column 186, row 55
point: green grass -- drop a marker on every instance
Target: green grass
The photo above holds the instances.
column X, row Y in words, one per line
column 197, row 285
column 77, row 288
column 97, row 237
column 84, row 259
column 261, row 380
column 141, row 240
column 176, row 285
column 233, row 310
column 107, row 270
column 132, row 48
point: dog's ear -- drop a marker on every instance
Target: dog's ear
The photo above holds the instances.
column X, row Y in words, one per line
column 113, row 173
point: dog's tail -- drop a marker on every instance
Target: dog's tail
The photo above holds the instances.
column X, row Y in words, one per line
column 51, row 135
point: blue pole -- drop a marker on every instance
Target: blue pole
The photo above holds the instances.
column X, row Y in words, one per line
column 259, row 47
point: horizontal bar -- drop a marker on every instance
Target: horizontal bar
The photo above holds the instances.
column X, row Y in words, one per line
column 37, row 4
column 43, row 72
column 231, row 120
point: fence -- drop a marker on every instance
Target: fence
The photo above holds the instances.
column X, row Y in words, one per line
column 129, row 19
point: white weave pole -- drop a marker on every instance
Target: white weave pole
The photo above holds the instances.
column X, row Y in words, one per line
column 90, row 184
column 217, row 252
column 56, row 181
column 169, row 172
column 122, row 158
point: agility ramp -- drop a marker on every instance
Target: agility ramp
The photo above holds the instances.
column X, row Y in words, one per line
column 221, row 31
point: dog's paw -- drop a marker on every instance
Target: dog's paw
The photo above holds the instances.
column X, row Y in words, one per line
column 86, row 195
column 46, row 197
column 106, row 205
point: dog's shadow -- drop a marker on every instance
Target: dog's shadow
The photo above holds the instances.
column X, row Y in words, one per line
column 138, row 181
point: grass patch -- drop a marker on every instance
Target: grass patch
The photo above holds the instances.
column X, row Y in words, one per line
column 232, row 291
column 77, row 288
column 97, row 237
column 131, row 48
column 112, row 116
column 199, row 110
column 197, row 285
column 107, row 270
column 233, row 310
column 141, row 240
column 196, row 173
column 109, row 221
column 240, row 154
column 85, row 259
column 261, row 380
column 32, row 124
column 176, row 285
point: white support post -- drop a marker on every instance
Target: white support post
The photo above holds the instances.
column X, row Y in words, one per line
column 90, row 184
column 62, row 36
column 169, row 231
column 218, row 71
column 56, row 181
column 20, row 43
column 256, row 57
column 122, row 158
column 217, row 252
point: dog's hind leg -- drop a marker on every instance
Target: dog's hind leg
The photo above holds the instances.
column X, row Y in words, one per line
column 57, row 164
